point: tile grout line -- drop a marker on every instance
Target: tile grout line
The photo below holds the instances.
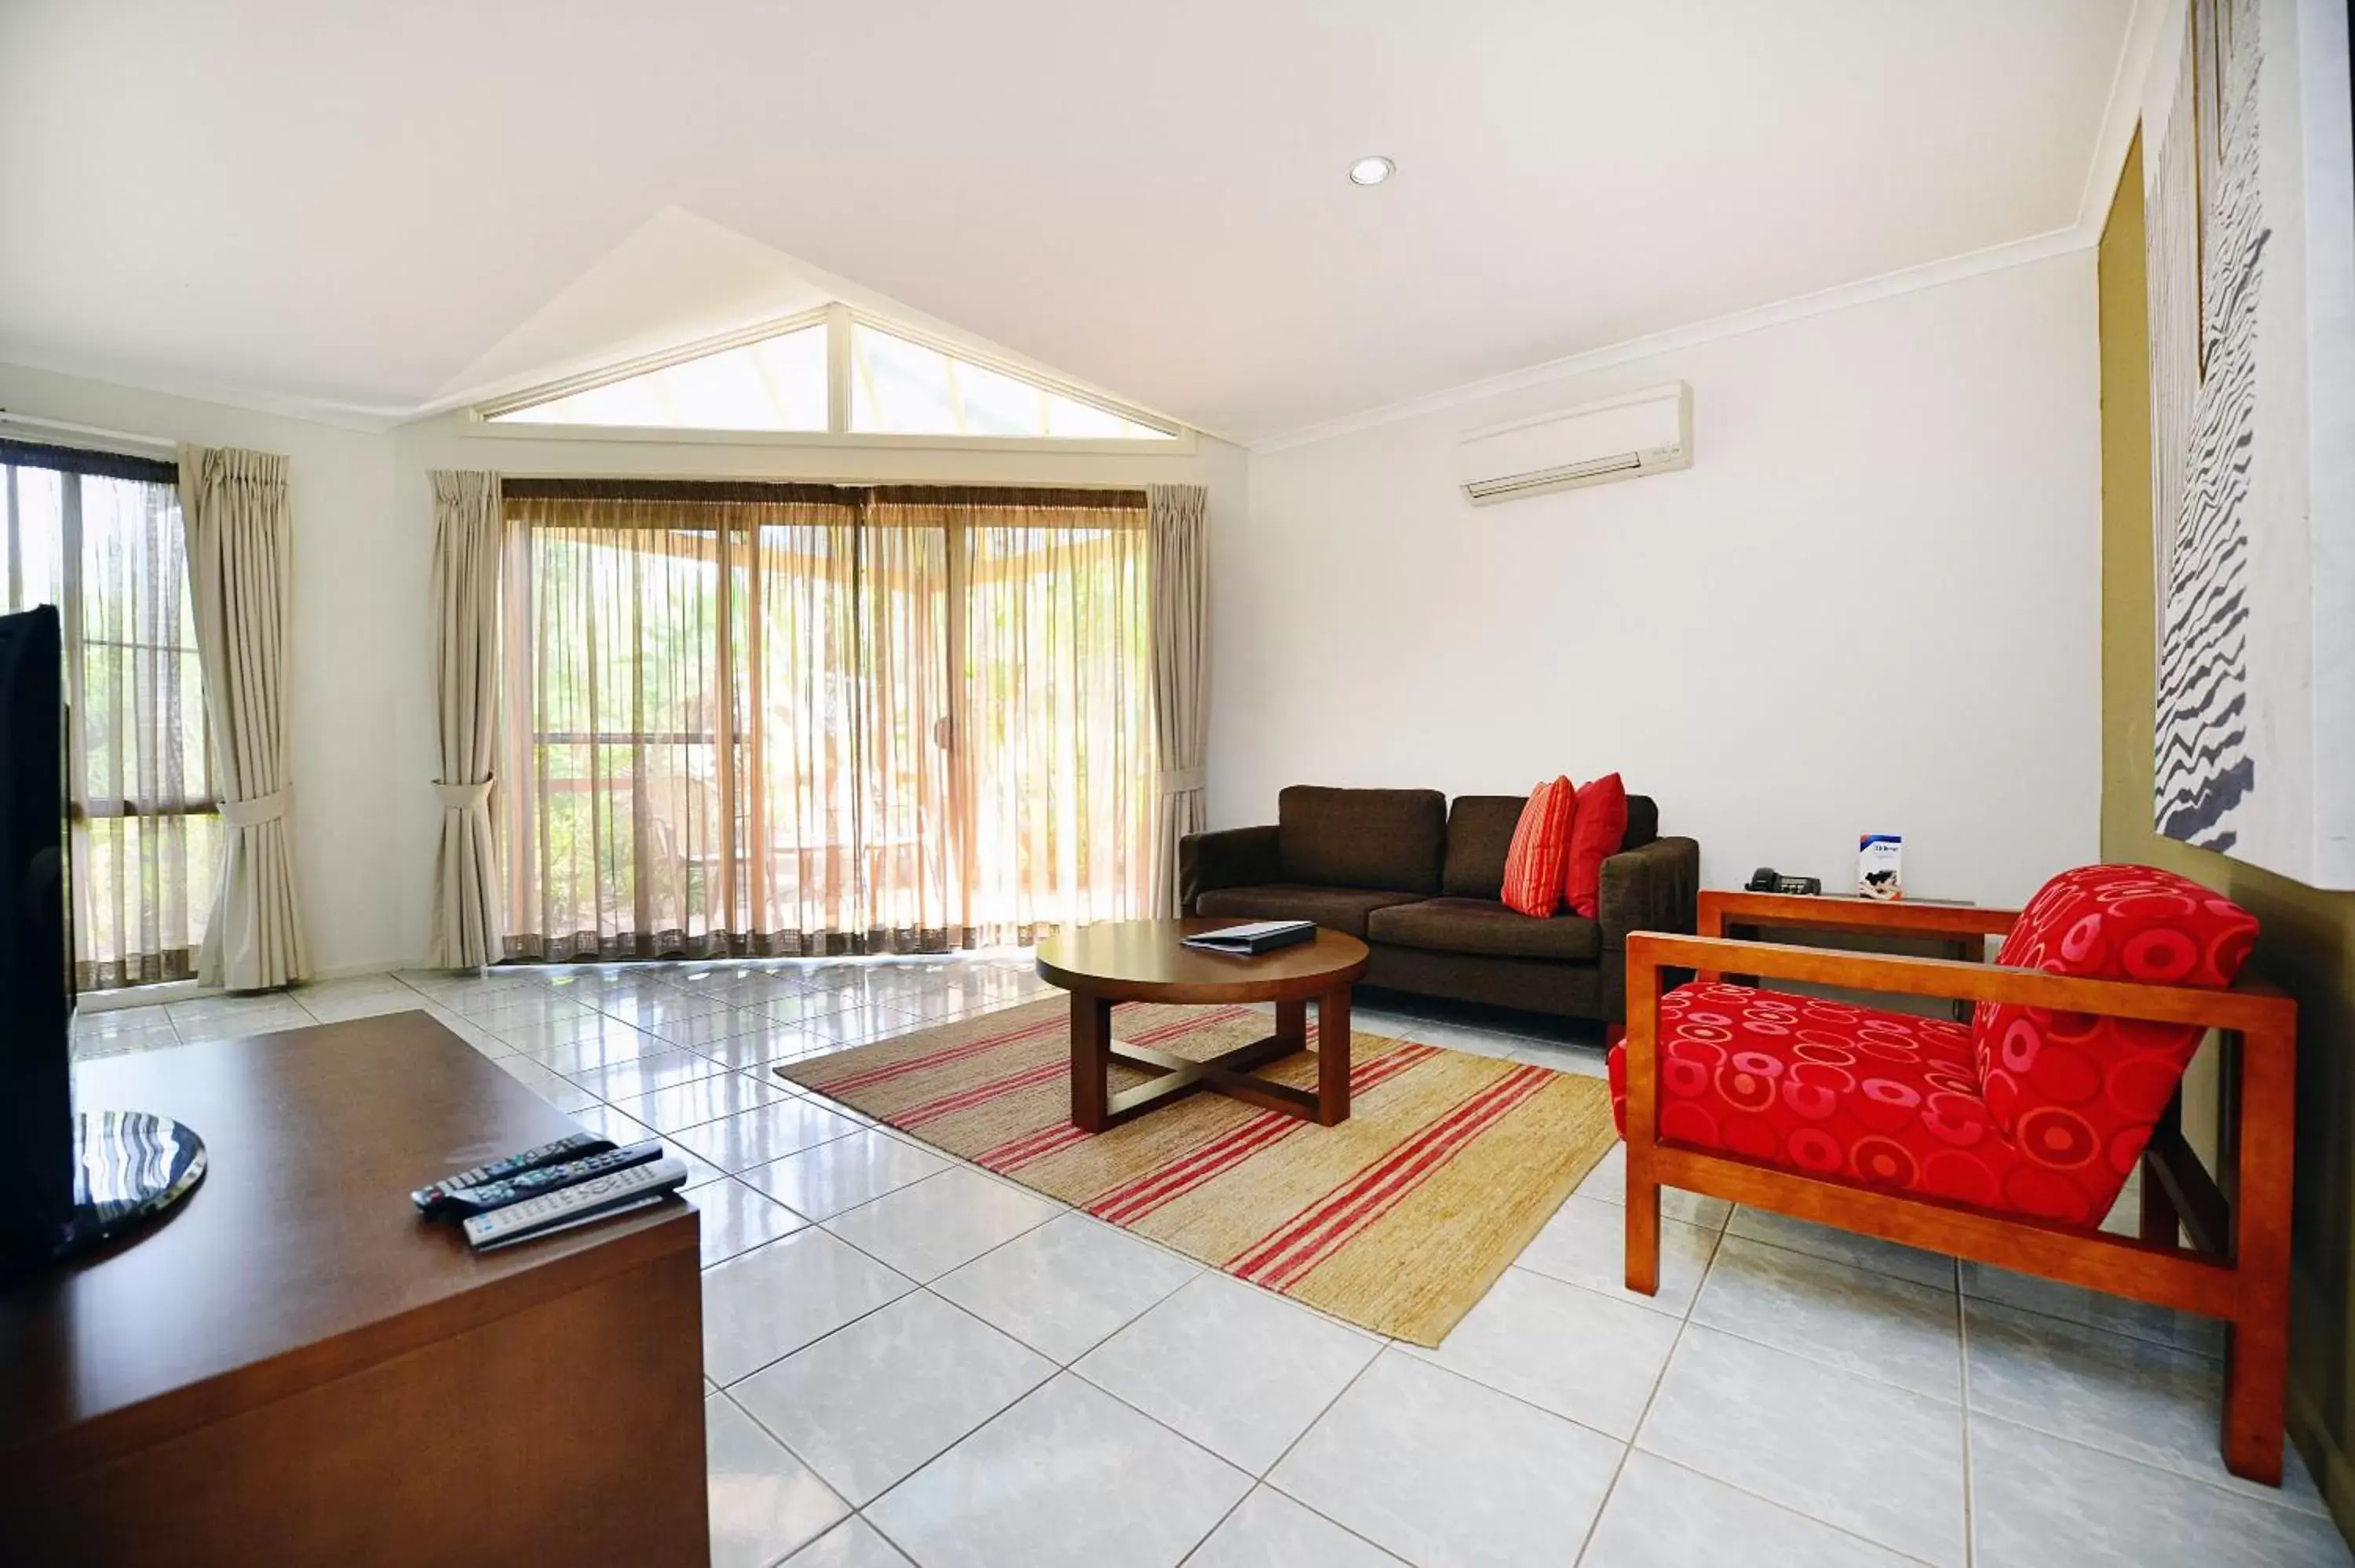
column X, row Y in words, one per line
column 1963, row 1380
column 1683, row 1321
column 915, row 1284
column 1263, row 1479
column 921, row 1290
column 1629, row 1448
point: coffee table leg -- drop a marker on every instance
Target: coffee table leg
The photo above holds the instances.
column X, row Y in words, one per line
column 1292, row 1023
column 1333, row 1058
column 1090, row 1060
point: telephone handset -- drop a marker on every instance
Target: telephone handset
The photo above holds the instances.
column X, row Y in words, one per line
column 1765, row 879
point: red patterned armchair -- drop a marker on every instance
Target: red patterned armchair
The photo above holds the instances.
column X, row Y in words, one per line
column 2006, row 1140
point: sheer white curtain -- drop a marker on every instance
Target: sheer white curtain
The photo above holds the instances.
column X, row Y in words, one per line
column 99, row 536
column 720, row 738
column 786, row 719
column 1051, row 807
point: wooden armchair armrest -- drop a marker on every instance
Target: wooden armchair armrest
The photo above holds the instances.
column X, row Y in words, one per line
column 1808, row 912
column 2252, row 1007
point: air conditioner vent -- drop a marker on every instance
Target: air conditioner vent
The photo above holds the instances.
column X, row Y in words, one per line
column 1642, row 433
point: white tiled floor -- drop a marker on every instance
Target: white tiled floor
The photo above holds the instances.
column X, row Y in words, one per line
column 911, row 1361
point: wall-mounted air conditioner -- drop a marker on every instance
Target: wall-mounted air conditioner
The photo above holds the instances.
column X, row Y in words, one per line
column 1620, row 438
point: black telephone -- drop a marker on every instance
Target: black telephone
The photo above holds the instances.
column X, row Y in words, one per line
column 1765, row 879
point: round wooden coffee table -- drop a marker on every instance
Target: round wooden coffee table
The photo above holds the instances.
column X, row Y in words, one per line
column 1140, row 960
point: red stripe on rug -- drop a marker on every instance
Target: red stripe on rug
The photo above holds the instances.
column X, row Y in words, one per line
column 1280, row 1260
column 950, row 1054
column 1140, row 1196
column 940, row 1058
column 1181, row 1026
column 1036, row 1145
column 980, row 1093
column 963, row 1099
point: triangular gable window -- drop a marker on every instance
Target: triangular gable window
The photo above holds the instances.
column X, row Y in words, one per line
column 905, row 388
column 775, row 383
column 785, row 379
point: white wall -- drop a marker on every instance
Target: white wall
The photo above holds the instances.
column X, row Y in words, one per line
column 1871, row 606
column 360, row 655
column 366, row 822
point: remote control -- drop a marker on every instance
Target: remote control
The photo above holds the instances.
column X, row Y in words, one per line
column 548, row 1178
column 595, row 1199
column 432, row 1199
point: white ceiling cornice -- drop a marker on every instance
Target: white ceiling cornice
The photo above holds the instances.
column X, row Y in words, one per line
column 2121, row 115
column 1823, row 302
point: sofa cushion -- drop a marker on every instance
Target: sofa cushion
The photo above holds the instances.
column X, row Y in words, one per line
column 2084, row 1083
column 1334, row 908
column 1479, row 837
column 1484, row 927
column 1387, row 838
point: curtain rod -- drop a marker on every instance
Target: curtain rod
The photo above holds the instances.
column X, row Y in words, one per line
column 94, row 433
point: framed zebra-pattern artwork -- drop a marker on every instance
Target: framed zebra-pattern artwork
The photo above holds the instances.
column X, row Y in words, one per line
column 2249, row 172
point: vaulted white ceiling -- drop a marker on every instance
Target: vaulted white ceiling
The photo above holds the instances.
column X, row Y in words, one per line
column 387, row 207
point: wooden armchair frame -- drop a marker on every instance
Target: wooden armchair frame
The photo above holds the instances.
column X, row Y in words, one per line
column 2238, row 1266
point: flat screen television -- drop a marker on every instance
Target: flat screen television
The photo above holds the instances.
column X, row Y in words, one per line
column 36, row 990
column 67, row 1182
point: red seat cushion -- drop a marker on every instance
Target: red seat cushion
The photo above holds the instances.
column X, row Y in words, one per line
column 1851, row 1094
column 2072, row 1086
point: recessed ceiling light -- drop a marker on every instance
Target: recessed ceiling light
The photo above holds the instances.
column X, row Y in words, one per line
column 1372, row 171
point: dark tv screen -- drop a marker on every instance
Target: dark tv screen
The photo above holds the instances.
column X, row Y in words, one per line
column 37, row 1132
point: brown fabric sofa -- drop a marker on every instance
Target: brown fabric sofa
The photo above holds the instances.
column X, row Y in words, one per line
column 1418, row 880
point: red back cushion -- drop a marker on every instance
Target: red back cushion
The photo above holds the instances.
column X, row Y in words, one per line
column 1533, row 867
column 1599, row 827
column 2071, row 1089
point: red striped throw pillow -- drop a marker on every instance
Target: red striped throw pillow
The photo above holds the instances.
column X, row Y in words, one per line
column 1536, row 864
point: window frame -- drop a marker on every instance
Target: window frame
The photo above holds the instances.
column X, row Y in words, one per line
column 838, row 319
column 80, row 464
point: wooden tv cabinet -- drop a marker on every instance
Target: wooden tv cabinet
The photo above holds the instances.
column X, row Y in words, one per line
column 294, row 1368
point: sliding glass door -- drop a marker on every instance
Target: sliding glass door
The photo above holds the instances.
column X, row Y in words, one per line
column 812, row 719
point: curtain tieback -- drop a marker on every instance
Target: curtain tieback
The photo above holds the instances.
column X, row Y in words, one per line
column 462, row 797
column 259, row 810
column 1177, row 781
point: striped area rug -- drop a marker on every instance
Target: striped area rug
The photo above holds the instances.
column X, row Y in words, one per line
column 1398, row 1220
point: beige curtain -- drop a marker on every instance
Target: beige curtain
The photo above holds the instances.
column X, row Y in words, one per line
column 467, row 921
column 239, row 528
column 105, row 545
column 788, row 719
column 1180, row 576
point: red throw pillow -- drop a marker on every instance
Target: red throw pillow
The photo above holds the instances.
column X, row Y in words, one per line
column 1533, row 867
column 1600, row 825
column 2068, row 1085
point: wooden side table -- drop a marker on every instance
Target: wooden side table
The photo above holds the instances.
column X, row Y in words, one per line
column 1840, row 933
